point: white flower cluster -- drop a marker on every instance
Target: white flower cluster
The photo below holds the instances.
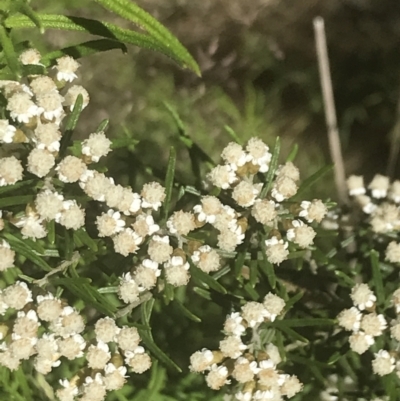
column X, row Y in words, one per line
column 252, row 366
column 381, row 205
column 49, row 331
column 239, row 175
column 366, row 326
column 36, row 112
column 130, row 220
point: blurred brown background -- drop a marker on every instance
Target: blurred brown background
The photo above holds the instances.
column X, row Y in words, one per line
column 260, row 76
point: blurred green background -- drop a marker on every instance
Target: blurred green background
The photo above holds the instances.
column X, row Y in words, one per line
column 260, row 77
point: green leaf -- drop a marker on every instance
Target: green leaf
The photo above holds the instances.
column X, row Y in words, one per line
column 18, row 185
column 84, row 49
column 32, row 69
column 344, row 363
column 293, row 300
column 346, row 280
column 306, row 322
column 156, row 351
column 33, row 245
column 255, row 296
column 103, row 125
column 203, row 293
column 51, row 229
column 138, row 16
column 146, row 310
column 233, row 134
column 334, row 358
column 82, row 288
column 240, row 258
column 169, row 181
column 186, row 312
column 25, row 250
column 253, row 272
column 377, row 277
column 108, row 290
column 267, row 267
column 26, row 9
column 310, row 181
column 103, row 29
column 9, row 52
column 82, row 236
column 202, row 278
column 157, row 380
column 292, row 335
column 272, row 168
column 293, row 153
column 16, row 200
column 71, row 124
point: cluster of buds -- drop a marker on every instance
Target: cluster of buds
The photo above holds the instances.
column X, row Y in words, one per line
column 36, row 111
column 287, row 221
column 252, row 366
column 50, row 332
column 379, row 201
column 366, row 326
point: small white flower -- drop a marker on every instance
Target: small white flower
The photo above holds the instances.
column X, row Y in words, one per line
column 7, row 132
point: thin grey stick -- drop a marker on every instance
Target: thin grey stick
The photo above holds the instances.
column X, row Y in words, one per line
column 330, row 111
column 394, row 144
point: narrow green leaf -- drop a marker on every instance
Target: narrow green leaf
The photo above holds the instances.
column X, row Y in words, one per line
column 334, row 358
column 82, row 236
column 345, row 365
column 16, row 200
column 292, row 335
column 272, row 168
column 32, row 69
column 26, row 9
column 9, row 52
column 240, row 258
column 103, row 125
column 146, row 310
column 202, row 278
column 84, row 49
column 71, row 124
column 26, row 278
column 177, row 120
column 233, row 134
column 377, row 277
column 157, row 352
column 310, row 181
column 203, row 293
column 169, row 181
column 32, row 245
column 186, row 312
column 195, row 152
column 220, row 273
column 168, row 293
column 255, row 296
column 297, row 254
column 293, row 153
column 156, row 383
column 266, row 267
column 83, row 289
column 253, row 272
column 346, row 280
column 51, row 229
column 108, row 290
column 26, row 251
column 18, row 185
column 24, row 387
column 304, row 322
column 138, row 16
column 293, row 300
column 99, row 28
column 280, row 345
